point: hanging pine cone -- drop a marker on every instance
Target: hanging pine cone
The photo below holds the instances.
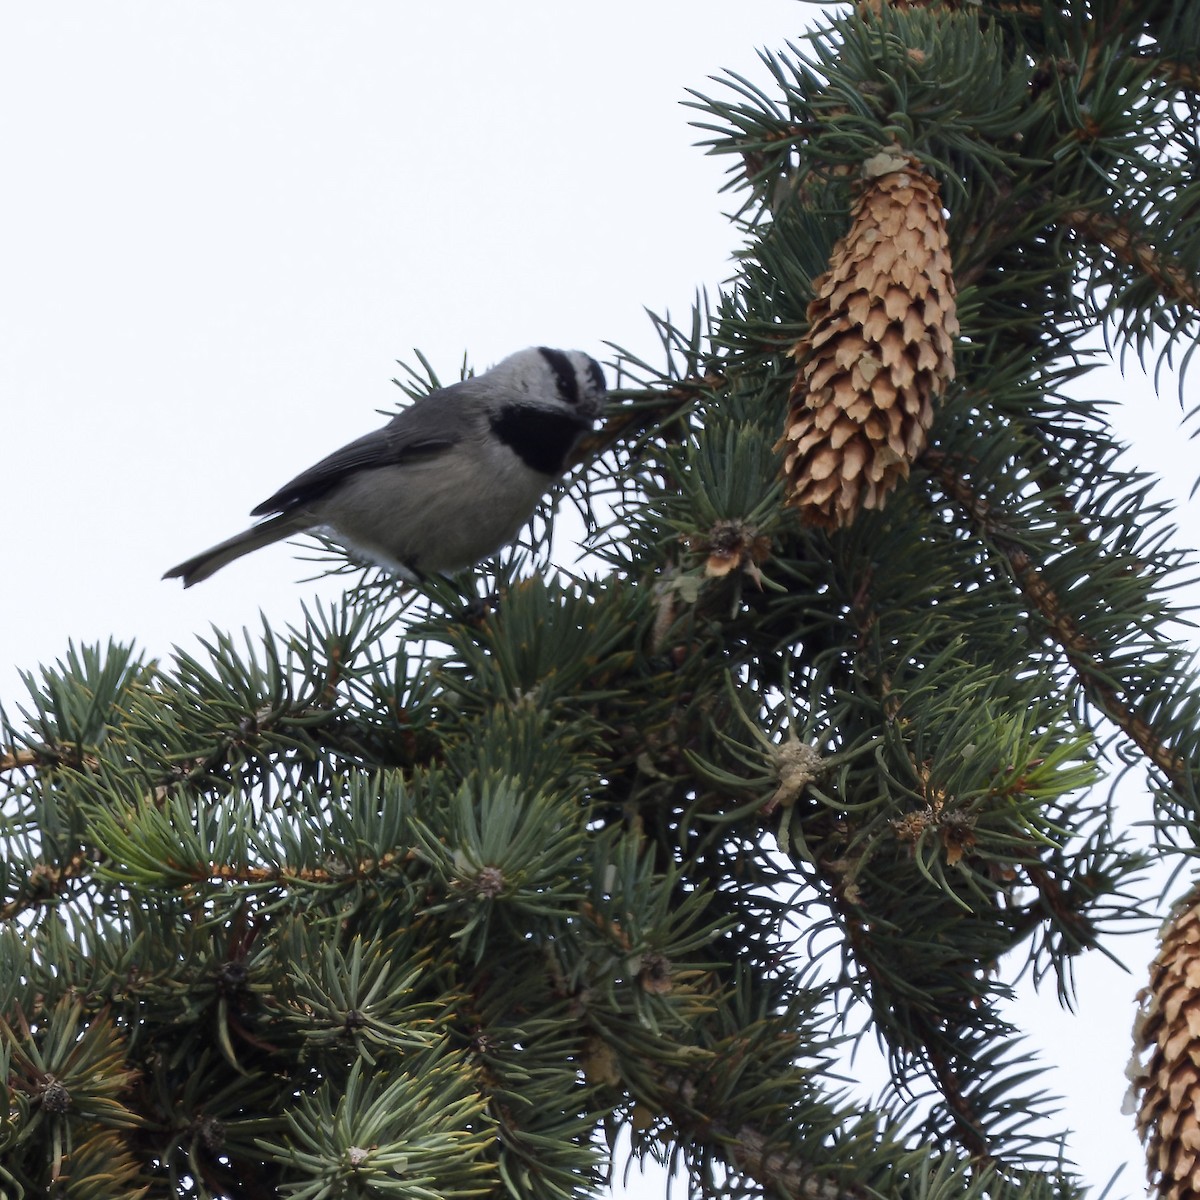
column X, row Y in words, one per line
column 878, row 350
column 1167, row 1059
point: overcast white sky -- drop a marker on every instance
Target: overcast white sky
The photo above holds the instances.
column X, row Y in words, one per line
column 223, row 222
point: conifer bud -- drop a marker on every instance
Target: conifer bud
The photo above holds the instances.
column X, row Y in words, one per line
column 878, row 351
column 55, row 1097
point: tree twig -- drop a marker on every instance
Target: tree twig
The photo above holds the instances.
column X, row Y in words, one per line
column 1117, row 237
column 18, row 760
column 1077, row 648
column 749, row 1151
column 45, row 883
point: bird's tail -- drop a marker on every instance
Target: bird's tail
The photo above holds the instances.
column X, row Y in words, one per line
column 212, row 560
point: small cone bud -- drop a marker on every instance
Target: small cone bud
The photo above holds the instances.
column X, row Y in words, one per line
column 878, row 351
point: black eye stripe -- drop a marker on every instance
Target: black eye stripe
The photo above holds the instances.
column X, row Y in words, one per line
column 564, row 374
column 596, row 376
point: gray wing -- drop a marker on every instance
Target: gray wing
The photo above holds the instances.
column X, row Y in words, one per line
column 424, row 428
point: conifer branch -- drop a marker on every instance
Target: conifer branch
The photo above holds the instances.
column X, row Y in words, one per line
column 1058, row 900
column 257, row 876
column 967, row 1124
column 45, row 756
column 1117, row 237
column 749, row 1150
column 18, row 760
column 1079, row 650
column 1185, row 75
column 966, row 1119
column 46, row 883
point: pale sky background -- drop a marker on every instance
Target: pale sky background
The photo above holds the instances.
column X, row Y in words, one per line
column 223, row 222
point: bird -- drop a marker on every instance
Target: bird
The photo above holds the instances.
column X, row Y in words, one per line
column 447, row 482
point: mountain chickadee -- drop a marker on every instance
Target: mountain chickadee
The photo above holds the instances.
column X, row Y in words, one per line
column 447, row 481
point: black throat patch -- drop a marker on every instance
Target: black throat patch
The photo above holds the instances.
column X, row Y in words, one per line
column 541, row 438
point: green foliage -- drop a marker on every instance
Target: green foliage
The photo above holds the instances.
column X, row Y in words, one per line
column 433, row 894
column 416, row 1137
